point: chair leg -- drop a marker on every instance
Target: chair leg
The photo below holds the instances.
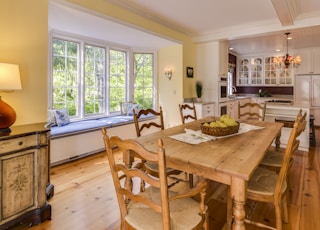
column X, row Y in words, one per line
column 206, row 221
column 285, row 216
column 190, row 180
column 142, row 186
column 278, row 216
column 289, row 189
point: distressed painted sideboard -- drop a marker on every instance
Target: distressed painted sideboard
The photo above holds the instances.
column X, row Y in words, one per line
column 24, row 176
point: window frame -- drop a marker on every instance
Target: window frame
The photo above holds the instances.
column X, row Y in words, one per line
column 155, row 81
column 107, row 46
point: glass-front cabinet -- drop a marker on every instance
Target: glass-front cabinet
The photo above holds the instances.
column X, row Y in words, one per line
column 270, row 71
column 250, row 71
column 256, row 71
column 264, row 71
column 243, row 76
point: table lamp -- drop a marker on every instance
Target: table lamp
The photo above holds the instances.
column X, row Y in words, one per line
column 9, row 81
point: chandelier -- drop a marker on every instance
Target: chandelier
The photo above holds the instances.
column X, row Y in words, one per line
column 287, row 61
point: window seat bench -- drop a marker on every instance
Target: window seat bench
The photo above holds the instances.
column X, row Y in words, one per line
column 82, row 138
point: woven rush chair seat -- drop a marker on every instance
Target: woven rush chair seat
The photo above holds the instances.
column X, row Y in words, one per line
column 153, row 169
column 263, row 182
column 273, row 159
column 184, row 213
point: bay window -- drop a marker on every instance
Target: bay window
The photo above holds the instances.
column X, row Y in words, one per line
column 93, row 79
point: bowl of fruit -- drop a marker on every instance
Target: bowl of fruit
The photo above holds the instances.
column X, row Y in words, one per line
column 223, row 126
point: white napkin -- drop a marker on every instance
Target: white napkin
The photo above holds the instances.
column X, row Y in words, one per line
column 192, row 137
column 199, row 134
column 196, row 137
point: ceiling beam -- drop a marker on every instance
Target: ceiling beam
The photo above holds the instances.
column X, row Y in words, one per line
column 286, row 11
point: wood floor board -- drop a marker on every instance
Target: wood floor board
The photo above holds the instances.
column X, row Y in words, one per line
column 85, row 199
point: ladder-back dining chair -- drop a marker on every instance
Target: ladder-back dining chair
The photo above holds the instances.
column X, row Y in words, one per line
column 273, row 158
column 271, row 187
column 187, row 112
column 251, row 110
column 156, row 207
column 146, row 125
column 152, row 168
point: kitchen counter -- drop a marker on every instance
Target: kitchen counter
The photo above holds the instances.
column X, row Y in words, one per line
column 289, row 113
column 203, row 102
column 237, row 98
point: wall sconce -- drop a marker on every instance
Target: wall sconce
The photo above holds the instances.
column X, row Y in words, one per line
column 168, row 73
column 9, row 81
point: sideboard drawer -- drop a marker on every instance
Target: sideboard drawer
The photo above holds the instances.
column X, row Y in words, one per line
column 18, row 143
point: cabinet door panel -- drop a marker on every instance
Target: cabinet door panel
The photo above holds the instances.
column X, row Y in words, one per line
column 18, row 180
column 316, row 60
column 302, row 88
column 315, row 100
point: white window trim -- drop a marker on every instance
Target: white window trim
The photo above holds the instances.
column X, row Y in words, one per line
column 91, row 41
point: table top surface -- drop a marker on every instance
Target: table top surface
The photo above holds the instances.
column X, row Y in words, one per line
column 234, row 156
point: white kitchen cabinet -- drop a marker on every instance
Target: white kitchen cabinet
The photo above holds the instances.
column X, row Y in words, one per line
column 212, row 64
column 232, row 108
column 270, row 71
column 204, row 109
column 274, row 75
column 262, row 70
column 307, row 88
column 250, row 71
column 223, row 58
column 310, row 58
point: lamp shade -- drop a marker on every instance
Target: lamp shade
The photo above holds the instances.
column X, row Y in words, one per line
column 9, row 81
column 9, row 77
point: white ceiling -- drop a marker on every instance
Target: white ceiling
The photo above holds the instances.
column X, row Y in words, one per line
column 64, row 17
column 250, row 26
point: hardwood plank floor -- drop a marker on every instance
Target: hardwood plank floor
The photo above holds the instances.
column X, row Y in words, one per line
column 85, row 199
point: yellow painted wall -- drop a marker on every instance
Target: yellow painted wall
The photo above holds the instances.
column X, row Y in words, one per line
column 24, row 41
column 170, row 91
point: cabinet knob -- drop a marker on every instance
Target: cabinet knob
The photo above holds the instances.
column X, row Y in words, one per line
column 20, row 143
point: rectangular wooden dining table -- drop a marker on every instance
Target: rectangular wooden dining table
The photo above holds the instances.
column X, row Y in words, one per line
column 231, row 160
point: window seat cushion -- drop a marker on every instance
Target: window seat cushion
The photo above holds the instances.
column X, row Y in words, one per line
column 83, row 126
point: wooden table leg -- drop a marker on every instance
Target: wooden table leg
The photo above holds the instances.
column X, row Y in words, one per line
column 238, row 194
column 277, row 141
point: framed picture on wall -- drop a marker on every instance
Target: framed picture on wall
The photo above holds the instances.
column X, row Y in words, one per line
column 190, row 72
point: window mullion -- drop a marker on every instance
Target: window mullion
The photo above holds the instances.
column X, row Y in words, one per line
column 107, row 79
column 81, row 82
